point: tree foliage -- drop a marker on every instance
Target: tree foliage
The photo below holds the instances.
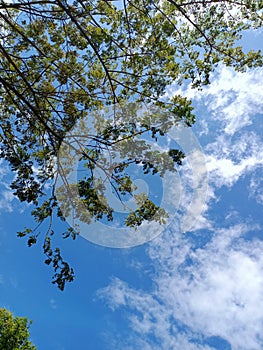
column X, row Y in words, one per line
column 14, row 332
column 62, row 60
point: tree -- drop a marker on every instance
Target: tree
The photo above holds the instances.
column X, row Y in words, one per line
column 64, row 59
column 14, row 332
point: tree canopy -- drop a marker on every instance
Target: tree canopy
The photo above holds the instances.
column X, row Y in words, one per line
column 14, row 332
column 62, row 60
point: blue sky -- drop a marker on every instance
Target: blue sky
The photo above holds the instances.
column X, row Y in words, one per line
column 199, row 290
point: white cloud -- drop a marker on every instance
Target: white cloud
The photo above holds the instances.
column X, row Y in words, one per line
column 256, row 189
column 233, row 98
column 4, row 169
column 228, row 160
column 6, row 196
column 6, row 199
column 195, row 193
column 216, row 290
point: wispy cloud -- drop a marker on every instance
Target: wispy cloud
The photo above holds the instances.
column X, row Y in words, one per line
column 53, row 304
column 216, row 290
column 256, row 188
column 229, row 159
column 234, row 99
column 6, row 199
column 6, row 196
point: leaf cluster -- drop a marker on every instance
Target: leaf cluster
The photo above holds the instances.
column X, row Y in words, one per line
column 62, row 60
column 14, row 332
